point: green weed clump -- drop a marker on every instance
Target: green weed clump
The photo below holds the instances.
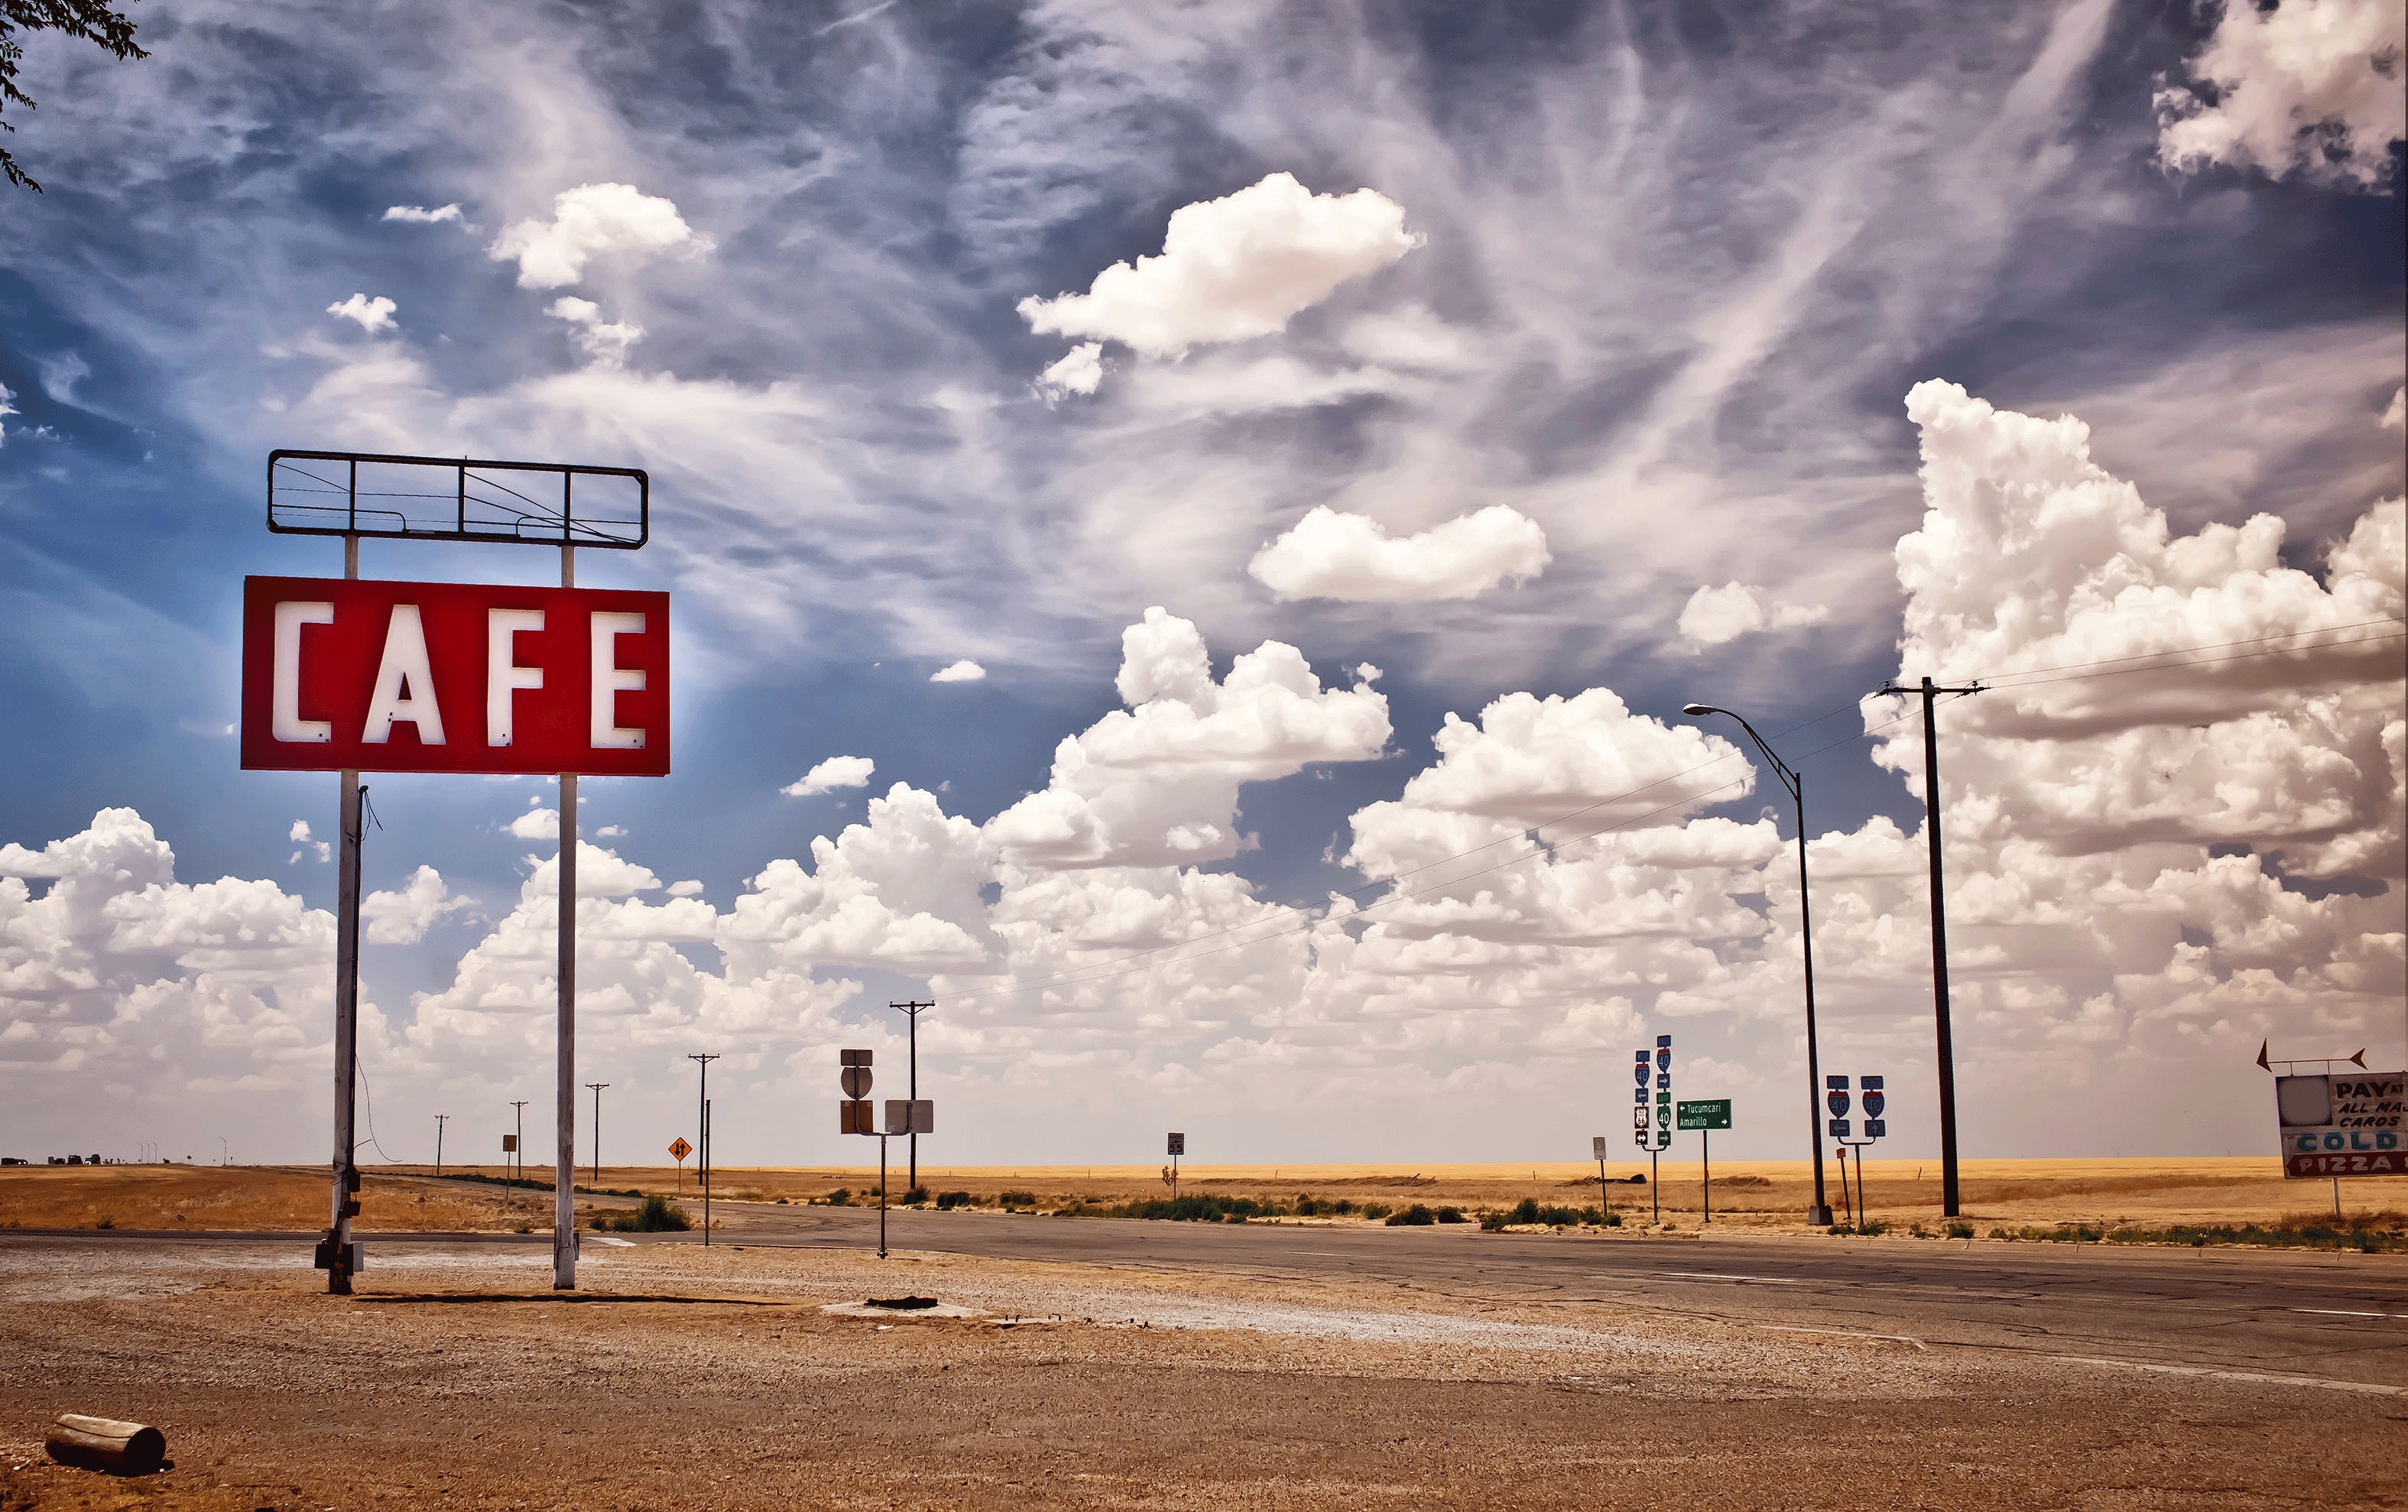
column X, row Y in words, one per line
column 1194, row 1209
column 1452, row 1215
column 917, row 1194
column 1016, row 1199
column 657, row 1215
column 1961, row 1231
column 1377, row 1210
column 840, row 1197
column 948, row 1201
column 1418, row 1215
column 1531, row 1211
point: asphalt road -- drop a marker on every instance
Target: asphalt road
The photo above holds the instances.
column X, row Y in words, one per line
column 2340, row 1316
column 2331, row 1317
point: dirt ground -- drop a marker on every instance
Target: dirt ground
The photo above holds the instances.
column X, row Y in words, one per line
column 710, row 1379
column 1746, row 1194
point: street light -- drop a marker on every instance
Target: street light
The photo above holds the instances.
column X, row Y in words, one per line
column 1818, row 1215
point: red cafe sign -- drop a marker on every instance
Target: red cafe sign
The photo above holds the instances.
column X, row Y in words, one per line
column 387, row 676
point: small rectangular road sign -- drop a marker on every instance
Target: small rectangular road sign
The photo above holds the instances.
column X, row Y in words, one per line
column 1714, row 1113
column 1179, row 1144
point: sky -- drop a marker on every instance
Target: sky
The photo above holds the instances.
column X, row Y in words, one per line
column 1191, row 528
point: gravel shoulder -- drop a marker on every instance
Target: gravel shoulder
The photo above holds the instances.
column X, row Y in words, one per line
column 716, row 1378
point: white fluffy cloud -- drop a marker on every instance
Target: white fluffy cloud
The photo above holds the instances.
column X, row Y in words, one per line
column 373, row 315
column 1156, row 784
column 1715, row 616
column 1080, row 370
column 420, row 215
column 589, row 221
column 536, row 824
column 404, row 918
column 299, row 834
column 2312, row 86
column 605, row 341
column 961, row 671
column 1234, row 267
column 1328, row 554
column 828, row 776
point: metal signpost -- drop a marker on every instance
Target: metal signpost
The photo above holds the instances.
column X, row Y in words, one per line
column 516, row 1145
column 346, row 675
column 1711, row 1113
column 1178, row 1147
column 1652, row 1131
column 904, row 1115
column 440, row 1119
column 1835, row 1097
column 1604, row 1198
column 2332, row 1124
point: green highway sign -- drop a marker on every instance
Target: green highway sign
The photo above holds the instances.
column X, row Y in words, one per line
column 1711, row 1114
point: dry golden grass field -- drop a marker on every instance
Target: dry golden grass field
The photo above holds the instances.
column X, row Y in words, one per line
column 1762, row 1195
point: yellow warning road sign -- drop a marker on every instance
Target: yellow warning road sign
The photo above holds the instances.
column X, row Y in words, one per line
column 680, row 1150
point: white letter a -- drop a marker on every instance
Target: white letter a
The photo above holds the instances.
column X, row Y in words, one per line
column 404, row 669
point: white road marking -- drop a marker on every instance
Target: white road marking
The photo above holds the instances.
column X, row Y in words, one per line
column 1325, row 1254
column 1845, row 1334
column 2261, row 1377
column 622, row 1244
column 2336, row 1312
column 1720, row 1276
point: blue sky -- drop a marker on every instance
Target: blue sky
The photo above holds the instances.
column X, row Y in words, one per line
column 1561, row 351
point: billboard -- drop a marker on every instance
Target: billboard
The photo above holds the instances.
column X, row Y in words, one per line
column 2343, row 1124
column 397, row 676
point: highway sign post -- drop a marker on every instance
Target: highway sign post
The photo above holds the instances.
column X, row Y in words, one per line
column 346, row 675
column 1178, row 1147
column 1604, row 1198
column 1708, row 1114
column 1651, row 1125
column 1835, row 1097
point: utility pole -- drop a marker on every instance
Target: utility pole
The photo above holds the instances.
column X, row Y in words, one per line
column 518, row 1148
column 912, row 1011
column 1931, row 693
column 438, row 1142
column 598, row 1087
column 702, row 1120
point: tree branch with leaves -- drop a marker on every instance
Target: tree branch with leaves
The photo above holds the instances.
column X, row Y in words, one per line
column 87, row 21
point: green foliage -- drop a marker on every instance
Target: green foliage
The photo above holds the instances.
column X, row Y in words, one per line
column 948, row 1201
column 1416, row 1217
column 1016, row 1199
column 1452, row 1215
column 917, row 1194
column 840, row 1197
column 1377, row 1209
column 86, row 21
column 1961, row 1231
column 657, row 1215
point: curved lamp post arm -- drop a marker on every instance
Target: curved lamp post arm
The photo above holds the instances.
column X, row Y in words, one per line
column 1781, row 769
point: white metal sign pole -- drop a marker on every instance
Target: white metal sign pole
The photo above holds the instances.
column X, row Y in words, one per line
column 564, row 1162
column 347, row 1012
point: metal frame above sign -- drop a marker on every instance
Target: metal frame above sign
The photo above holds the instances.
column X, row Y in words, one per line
column 456, row 499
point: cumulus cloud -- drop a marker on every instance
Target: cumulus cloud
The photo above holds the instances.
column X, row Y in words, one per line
column 589, row 221
column 420, row 215
column 605, row 341
column 1079, row 371
column 961, row 671
column 537, row 823
column 1234, row 267
column 404, row 918
column 2396, row 418
column 2032, row 559
column 828, row 776
column 150, row 986
column 1715, row 616
column 300, row 835
column 373, row 315
column 1156, row 784
column 2311, row 87
column 1328, row 554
